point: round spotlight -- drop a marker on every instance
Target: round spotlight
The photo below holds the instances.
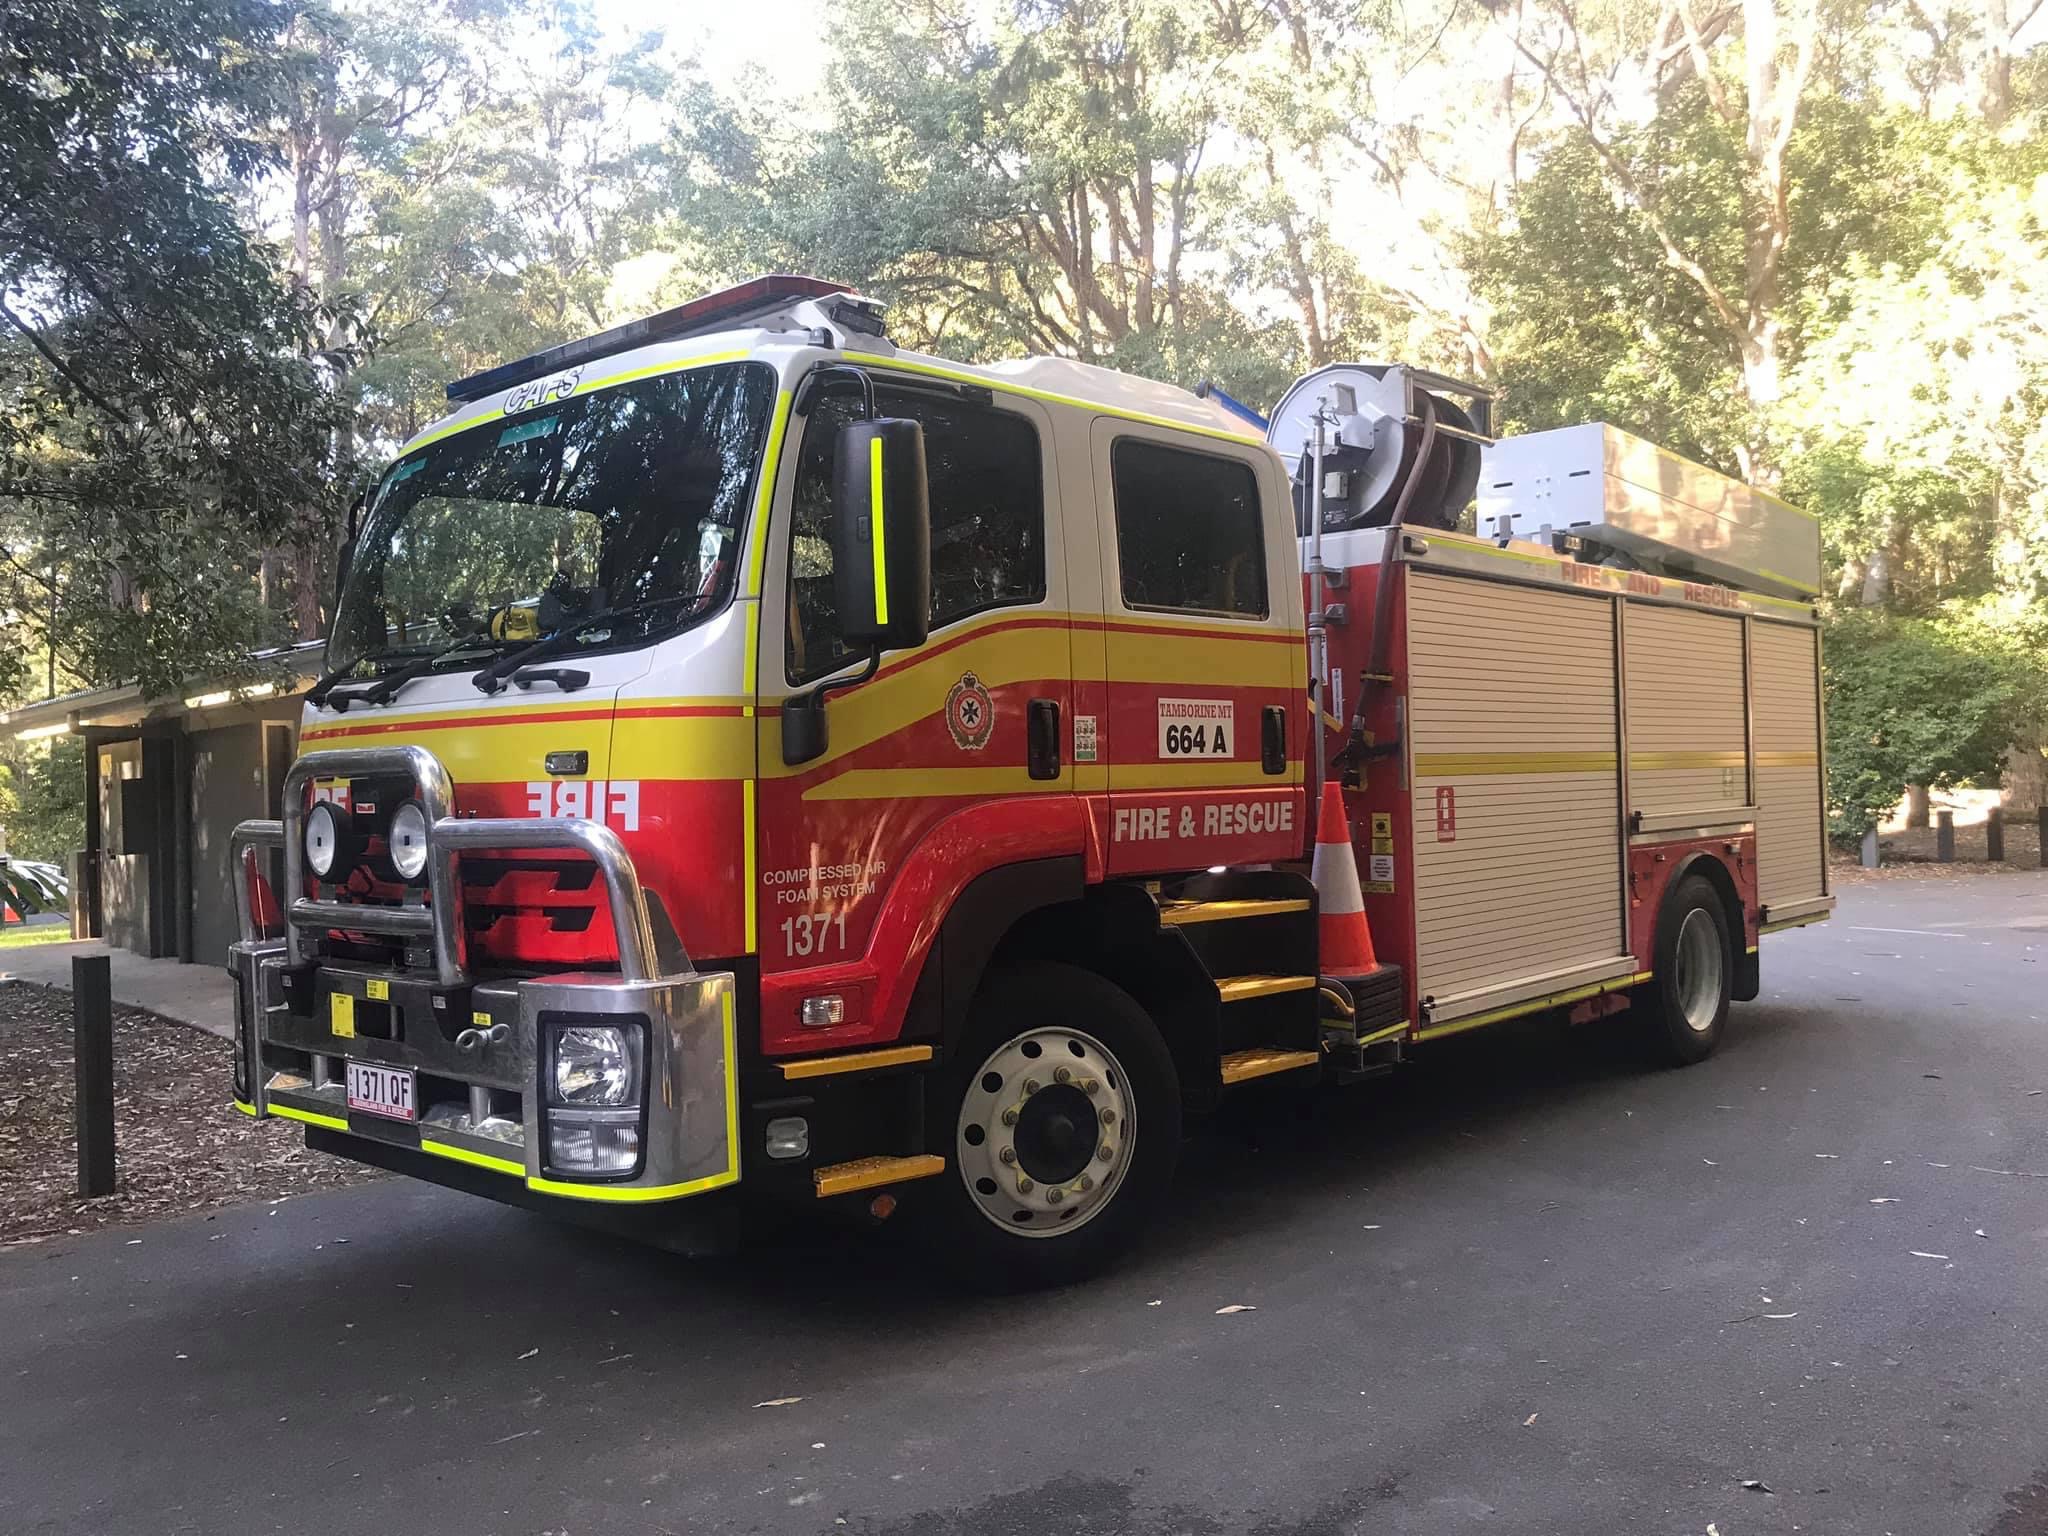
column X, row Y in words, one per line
column 407, row 840
column 324, row 834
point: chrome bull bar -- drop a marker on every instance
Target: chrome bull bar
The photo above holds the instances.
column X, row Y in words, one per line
column 691, row 1064
column 440, row 920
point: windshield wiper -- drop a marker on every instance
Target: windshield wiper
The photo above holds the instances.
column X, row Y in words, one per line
column 492, row 678
column 317, row 694
column 383, row 689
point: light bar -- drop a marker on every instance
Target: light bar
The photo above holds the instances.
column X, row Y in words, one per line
column 720, row 311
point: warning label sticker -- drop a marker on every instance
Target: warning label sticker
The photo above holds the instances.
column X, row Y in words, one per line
column 1380, row 865
column 1084, row 738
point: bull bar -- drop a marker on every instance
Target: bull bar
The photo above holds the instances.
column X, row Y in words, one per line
column 456, row 1027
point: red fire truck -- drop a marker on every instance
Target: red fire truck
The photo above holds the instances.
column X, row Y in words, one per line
column 758, row 761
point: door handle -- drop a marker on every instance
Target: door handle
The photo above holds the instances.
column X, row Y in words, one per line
column 1042, row 737
column 1273, row 739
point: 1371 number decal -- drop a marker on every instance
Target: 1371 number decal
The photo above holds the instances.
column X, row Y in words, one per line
column 813, row 934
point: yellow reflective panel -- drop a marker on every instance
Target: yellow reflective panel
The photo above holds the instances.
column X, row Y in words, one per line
column 875, row 511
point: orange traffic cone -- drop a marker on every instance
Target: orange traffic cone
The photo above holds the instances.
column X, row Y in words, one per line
column 1344, row 936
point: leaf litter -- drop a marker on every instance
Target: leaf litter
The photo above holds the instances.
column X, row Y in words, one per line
column 180, row 1146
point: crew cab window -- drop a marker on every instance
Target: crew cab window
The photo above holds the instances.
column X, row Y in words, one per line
column 1188, row 531
column 988, row 518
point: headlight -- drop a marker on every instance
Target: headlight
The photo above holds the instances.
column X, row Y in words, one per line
column 596, row 1064
column 324, row 834
column 407, row 840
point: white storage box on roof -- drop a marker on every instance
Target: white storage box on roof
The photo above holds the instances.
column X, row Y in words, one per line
column 1602, row 484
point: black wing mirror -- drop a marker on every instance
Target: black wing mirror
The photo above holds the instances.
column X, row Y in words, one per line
column 881, row 534
column 881, row 561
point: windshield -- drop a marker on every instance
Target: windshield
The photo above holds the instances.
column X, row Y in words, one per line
column 631, row 498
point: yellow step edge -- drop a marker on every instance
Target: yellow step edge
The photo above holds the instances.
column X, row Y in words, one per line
column 1263, row 1061
column 1237, row 989
column 1180, row 914
column 857, row 1061
column 869, row 1172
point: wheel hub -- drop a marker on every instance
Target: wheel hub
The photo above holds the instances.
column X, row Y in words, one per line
column 1057, row 1133
column 1045, row 1132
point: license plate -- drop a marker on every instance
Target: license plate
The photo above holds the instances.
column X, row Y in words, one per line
column 385, row 1091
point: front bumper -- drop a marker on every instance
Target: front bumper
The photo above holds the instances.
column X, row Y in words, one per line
column 475, row 1045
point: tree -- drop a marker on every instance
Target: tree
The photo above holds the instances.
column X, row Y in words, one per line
column 161, row 402
column 1013, row 178
column 1922, row 701
column 1599, row 72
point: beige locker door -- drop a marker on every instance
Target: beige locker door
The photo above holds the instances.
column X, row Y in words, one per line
column 1517, row 809
column 1790, row 827
column 1686, row 729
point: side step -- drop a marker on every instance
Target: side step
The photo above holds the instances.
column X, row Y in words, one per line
column 872, row 1172
column 1264, row 1061
column 1238, row 989
column 1179, row 914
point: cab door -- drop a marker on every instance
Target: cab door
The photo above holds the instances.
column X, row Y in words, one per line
column 1206, row 663
column 952, row 760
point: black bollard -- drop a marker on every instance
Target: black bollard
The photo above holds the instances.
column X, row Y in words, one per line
column 1945, row 836
column 92, row 1012
column 1994, row 835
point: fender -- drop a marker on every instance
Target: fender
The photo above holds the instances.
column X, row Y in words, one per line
column 1746, row 980
column 982, row 917
column 990, row 835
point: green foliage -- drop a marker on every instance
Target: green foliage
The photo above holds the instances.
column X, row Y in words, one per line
column 42, row 799
column 162, row 411
column 1924, row 701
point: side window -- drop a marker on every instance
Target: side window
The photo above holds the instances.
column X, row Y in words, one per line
column 1188, row 531
column 988, row 518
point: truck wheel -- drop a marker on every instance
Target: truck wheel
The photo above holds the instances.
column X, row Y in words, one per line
column 1695, row 968
column 1061, row 1136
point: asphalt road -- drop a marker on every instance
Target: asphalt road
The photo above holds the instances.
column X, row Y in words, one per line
column 1524, row 1285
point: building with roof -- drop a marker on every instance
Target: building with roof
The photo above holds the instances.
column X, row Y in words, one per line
column 166, row 781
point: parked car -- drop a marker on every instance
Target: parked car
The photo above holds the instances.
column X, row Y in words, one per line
column 30, row 888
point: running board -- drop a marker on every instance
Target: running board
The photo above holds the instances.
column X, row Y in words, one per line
column 872, row 1172
column 1238, row 989
column 1180, row 914
column 1263, row 1061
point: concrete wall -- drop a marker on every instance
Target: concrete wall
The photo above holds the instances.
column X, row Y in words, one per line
column 227, row 787
column 177, row 898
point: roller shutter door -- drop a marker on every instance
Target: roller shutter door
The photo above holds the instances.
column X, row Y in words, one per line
column 1517, row 814
column 1686, row 731
column 1790, row 835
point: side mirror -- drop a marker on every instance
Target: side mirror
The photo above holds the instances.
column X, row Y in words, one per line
column 881, row 561
column 881, row 534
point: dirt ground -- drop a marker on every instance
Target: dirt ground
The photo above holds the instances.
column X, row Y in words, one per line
column 1909, row 852
column 179, row 1143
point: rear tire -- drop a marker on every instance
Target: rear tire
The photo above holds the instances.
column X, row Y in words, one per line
column 1060, row 1123
column 1695, row 973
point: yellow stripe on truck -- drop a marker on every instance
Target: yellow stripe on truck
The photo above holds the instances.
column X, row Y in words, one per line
column 875, row 512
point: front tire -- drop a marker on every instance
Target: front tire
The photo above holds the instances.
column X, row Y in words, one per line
column 1060, row 1122
column 1695, row 973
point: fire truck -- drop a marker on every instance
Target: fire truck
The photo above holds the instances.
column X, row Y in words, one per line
column 762, row 765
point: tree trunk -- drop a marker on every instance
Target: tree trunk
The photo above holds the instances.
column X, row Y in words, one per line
column 1918, row 811
column 1994, row 75
column 2026, row 777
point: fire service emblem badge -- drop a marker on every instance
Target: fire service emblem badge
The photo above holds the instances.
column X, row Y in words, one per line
column 970, row 713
